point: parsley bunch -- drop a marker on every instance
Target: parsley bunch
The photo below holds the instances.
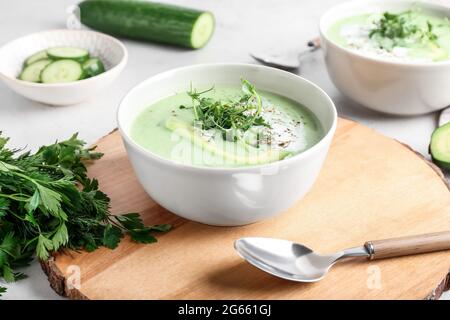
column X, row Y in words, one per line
column 230, row 117
column 397, row 28
column 47, row 203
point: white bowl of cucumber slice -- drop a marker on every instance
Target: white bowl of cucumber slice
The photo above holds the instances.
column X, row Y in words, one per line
column 61, row 67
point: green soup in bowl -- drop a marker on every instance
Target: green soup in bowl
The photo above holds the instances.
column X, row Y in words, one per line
column 389, row 56
column 169, row 128
column 229, row 155
column 410, row 35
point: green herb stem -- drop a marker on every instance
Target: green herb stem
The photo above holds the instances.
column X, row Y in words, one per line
column 48, row 203
column 232, row 118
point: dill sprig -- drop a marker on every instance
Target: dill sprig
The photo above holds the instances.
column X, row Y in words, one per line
column 232, row 118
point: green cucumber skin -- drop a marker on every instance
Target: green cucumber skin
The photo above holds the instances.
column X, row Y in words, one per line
column 37, row 80
column 440, row 157
column 93, row 67
column 80, row 77
column 441, row 164
column 141, row 20
column 32, row 59
column 79, row 60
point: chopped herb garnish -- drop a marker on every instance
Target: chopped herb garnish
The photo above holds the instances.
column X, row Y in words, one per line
column 232, row 118
column 47, row 203
column 395, row 29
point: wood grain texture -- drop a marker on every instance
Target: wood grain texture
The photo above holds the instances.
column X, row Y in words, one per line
column 403, row 246
column 371, row 187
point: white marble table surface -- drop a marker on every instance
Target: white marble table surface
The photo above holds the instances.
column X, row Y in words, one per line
column 242, row 26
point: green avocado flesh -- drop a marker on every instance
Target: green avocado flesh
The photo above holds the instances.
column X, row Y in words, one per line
column 168, row 130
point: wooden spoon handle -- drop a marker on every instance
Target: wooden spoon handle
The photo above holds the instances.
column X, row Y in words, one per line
column 404, row 246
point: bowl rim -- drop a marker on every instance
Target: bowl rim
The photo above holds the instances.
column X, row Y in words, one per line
column 119, row 65
column 196, row 168
column 410, row 64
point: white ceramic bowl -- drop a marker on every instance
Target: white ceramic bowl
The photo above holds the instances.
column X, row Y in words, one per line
column 227, row 196
column 13, row 54
column 401, row 88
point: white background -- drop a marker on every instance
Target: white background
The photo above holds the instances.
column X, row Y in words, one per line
column 242, row 26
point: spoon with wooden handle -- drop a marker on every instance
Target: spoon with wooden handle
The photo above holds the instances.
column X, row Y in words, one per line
column 294, row 261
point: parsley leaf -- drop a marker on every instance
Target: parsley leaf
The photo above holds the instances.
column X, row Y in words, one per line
column 47, row 202
column 142, row 236
column 43, row 247
column 33, row 202
column 61, row 236
column 50, row 199
column 8, row 249
column 112, row 236
column 131, row 221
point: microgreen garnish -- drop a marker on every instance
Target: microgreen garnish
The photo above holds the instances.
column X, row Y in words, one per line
column 394, row 29
column 47, row 202
column 232, row 118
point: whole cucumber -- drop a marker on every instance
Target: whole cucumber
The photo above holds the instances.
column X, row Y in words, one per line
column 149, row 21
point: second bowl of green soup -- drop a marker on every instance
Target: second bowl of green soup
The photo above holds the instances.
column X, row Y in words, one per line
column 389, row 56
column 226, row 144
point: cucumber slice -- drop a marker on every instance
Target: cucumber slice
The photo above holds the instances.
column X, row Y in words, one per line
column 440, row 146
column 439, row 54
column 62, row 71
column 36, row 57
column 202, row 30
column 186, row 131
column 72, row 53
column 32, row 72
column 93, row 67
column 433, row 53
column 157, row 22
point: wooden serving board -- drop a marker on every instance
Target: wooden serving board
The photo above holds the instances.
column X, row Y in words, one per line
column 371, row 187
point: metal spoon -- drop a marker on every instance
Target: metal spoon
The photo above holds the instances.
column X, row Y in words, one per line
column 283, row 61
column 296, row 262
